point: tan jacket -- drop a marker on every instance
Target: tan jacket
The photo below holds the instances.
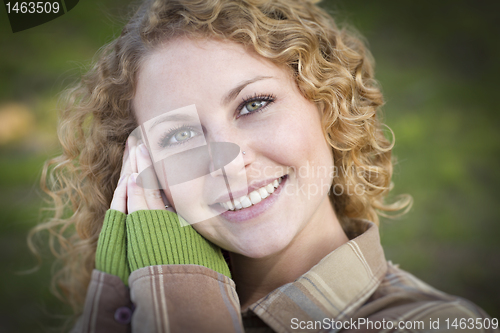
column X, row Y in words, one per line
column 352, row 289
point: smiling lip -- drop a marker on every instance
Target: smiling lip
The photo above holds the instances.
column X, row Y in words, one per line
column 255, row 210
column 237, row 194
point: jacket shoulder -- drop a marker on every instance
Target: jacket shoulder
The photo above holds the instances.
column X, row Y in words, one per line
column 403, row 299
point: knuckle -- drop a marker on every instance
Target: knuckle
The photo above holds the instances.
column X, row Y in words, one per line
column 154, row 194
column 137, row 191
column 119, row 196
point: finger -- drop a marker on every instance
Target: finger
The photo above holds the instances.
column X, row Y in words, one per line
column 148, row 179
column 132, row 145
column 126, row 154
column 135, row 195
column 119, row 201
column 126, row 165
column 169, row 206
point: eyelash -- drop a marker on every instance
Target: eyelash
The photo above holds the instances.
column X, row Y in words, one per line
column 269, row 98
column 163, row 142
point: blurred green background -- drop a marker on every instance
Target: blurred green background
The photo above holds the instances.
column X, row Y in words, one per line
column 438, row 64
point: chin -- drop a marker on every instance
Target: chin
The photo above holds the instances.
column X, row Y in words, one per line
column 261, row 248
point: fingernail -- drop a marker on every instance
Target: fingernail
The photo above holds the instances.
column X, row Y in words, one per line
column 121, row 179
column 143, row 149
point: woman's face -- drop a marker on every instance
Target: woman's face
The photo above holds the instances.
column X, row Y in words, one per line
column 242, row 98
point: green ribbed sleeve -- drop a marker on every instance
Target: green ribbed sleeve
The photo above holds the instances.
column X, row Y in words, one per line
column 157, row 237
column 111, row 256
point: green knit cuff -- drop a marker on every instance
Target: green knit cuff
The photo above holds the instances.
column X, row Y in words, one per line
column 157, row 237
column 111, row 256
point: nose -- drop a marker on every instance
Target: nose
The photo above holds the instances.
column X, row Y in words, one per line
column 226, row 159
column 224, row 148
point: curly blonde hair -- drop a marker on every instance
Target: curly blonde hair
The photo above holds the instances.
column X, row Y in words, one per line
column 331, row 67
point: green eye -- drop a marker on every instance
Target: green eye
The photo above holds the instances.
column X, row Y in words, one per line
column 183, row 135
column 254, row 105
column 178, row 136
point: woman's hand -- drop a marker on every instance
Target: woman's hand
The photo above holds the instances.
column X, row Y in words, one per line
column 129, row 196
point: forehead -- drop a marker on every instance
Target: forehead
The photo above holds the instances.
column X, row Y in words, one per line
column 190, row 71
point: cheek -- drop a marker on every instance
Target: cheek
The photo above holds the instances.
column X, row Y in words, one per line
column 296, row 138
column 306, row 150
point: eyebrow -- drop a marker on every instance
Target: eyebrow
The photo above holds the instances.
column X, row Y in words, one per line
column 171, row 117
column 231, row 95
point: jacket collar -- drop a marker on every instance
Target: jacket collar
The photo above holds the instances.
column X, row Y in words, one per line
column 334, row 288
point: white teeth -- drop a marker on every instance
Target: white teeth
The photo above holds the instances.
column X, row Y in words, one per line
column 253, row 198
column 263, row 193
column 237, row 204
column 245, row 201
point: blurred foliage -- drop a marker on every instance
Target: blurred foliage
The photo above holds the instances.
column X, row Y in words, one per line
column 437, row 65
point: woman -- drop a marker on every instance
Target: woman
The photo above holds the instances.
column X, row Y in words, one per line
column 257, row 123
